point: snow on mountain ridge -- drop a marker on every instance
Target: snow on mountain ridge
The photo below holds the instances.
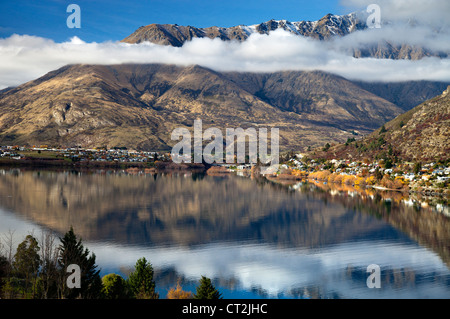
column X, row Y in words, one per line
column 173, row 34
column 334, row 23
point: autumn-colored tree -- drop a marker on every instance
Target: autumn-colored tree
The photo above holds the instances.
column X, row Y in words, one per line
column 349, row 180
column 179, row 293
column 391, row 184
column 364, row 172
column 332, row 177
column 370, row 180
column 338, row 179
column 360, row 181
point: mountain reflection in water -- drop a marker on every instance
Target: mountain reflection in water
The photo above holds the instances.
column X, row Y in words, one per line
column 253, row 236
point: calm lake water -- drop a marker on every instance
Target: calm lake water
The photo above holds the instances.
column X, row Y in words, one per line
column 255, row 238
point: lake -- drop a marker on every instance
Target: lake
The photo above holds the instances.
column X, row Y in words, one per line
column 255, row 238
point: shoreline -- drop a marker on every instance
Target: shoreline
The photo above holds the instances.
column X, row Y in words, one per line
column 60, row 163
column 169, row 166
column 425, row 191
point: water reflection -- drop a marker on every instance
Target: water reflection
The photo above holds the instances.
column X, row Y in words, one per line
column 255, row 237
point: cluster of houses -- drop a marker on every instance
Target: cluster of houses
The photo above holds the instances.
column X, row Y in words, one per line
column 433, row 173
column 12, row 152
column 427, row 172
column 81, row 154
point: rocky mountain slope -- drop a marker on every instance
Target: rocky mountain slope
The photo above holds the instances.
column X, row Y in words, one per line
column 138, row 106
column 421, row 135
column 405, row 95
column 325, row 28
column 175, row 35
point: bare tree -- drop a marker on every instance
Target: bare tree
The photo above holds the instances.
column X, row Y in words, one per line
column 49, row 267
column 8, row 247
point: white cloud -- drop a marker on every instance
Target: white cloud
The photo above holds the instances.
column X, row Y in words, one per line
column 430, row 12
column 397, row 34
column 24, row 58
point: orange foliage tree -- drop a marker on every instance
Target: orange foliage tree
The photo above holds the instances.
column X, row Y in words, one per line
column 179, row 293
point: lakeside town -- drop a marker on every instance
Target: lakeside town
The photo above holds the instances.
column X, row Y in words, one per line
column 406, row 176
column 397, row 176
column 78, row 154
column 350, row 180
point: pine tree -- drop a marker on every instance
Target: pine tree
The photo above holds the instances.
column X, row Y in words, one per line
column 378, row 174
column 141, row 281
column 206, row 290
column 417, row 168
column 72, row 251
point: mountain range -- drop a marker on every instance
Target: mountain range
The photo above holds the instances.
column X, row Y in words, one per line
column 326, row 28
column 139, row 105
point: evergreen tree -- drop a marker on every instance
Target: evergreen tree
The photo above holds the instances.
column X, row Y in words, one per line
column 378, row 174
column 388, row 163
column 417, row 168
column 72, row 251
column 141, row 281
column 206, row 290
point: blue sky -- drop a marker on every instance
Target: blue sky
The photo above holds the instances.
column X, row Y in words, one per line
column 104, row 20
column 35, row 39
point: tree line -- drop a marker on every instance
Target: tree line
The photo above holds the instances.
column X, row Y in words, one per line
column 38, row 269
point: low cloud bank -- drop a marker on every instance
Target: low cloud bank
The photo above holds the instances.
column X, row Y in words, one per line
column 24, row 58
